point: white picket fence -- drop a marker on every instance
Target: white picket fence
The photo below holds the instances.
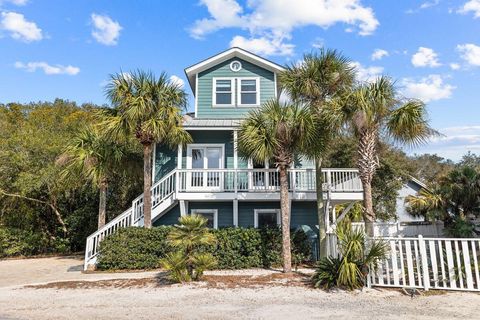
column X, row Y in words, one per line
column 429, row 263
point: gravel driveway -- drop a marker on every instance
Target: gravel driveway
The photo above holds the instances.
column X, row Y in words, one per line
column 27, row 292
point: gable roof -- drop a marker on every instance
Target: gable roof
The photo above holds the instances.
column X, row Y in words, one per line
column 193, row 70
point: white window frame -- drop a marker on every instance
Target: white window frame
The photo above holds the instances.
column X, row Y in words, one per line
column 205, row 175
column 257, row 211
column 214, row 92
column 214, row 211
column 239, row 91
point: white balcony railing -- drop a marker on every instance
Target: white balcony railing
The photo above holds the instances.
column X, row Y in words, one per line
column 255, row 180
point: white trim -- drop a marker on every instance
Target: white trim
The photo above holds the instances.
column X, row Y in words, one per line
column 239, row 91
column 179, row 156
column 257, row 211
column 214, row 91
column 211, row 128
column 275, row 84
column 233, row 52
column 214, row 211
column 235, row 61
column 196, row 94
column 235, row 149
column 235, row 212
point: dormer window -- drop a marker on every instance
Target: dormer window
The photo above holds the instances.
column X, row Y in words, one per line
column 249, row 93
column 223, row 92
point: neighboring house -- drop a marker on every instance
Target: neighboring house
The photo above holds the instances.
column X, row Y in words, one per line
column 407, row 224
column 210, row 177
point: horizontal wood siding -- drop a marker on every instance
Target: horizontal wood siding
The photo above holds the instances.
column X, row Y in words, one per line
column 169, row 218
column 304, row 213
column 204, row 99
column 165, row 161
column 225, row 211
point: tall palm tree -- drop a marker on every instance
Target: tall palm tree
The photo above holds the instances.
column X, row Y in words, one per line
column 318, row 78
column 92, row 156
column 278, row 132
column 149, row 109
column 373, row 110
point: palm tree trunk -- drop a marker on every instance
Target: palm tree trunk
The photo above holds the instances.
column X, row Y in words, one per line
column 367, row 165
column 102, row 207
column 147, row 185
column 285, row 213
column 322, row 229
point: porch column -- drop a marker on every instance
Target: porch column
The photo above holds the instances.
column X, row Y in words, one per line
column 183, row 208
column 235, row 147
column 235, row 212
column 179, row 156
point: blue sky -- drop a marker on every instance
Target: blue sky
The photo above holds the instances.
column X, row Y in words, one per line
column 67, row 49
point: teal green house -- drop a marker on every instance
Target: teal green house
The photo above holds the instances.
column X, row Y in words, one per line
column 211, row 178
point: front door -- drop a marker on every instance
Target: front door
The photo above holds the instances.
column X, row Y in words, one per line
column 205, row 163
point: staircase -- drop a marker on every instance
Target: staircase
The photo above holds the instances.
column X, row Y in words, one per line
column 163, row 198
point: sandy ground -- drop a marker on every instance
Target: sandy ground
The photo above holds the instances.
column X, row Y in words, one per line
column 55, row 288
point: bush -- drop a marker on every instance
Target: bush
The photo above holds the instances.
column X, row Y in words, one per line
column 17, row 242
column 134, row 248
column 237, row 248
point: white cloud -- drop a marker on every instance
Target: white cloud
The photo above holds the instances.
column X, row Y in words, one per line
column 20, row 28
column 318, row 43
column 106, row 31
column 424, row 5
column 471, row 6
column 274, row 20
column 378, row 54
column 48, row 69
column 177, row 80
column 470, row 53
column 428, row 89
column 454, row 66
column 425, row 57
column 367, row 74
column 266, row 45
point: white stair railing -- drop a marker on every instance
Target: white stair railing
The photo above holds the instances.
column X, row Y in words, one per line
column 133, row 216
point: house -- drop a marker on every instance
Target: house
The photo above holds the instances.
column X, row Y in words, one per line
column 210, row 177
column 407, row 224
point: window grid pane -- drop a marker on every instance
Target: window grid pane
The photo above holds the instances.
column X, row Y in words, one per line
column 248, row 92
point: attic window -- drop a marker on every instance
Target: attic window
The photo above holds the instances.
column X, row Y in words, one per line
column 235, row 66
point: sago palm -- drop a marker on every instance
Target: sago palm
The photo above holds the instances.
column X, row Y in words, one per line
column 374, row 110
column 318, row 78
column 149, row 109
column 94, row 157
column 278, row 132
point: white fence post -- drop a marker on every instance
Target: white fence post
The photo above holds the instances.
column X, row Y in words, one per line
column 424, row 261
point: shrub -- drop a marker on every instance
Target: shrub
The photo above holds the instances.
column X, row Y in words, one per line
column 327, row 273
column 17, row 242
column 134, row 248
column 236, row 248
column 188, row 262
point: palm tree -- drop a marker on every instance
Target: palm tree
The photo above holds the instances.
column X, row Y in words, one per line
column 149, row 109
column 278, row 132
column 318, row 78
column 373, row 110
column 92, row 156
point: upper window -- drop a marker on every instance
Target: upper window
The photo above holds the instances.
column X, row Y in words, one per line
column 248, row 93
column 223, row 92
column 235, row 66
column 210, row 214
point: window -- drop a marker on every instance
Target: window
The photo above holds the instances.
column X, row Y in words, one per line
column 235, row 66
column 210, row 214
column 265, row 218
column 248, row 93
column 223, row 92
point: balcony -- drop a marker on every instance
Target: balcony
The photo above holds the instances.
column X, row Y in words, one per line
column 265, row 183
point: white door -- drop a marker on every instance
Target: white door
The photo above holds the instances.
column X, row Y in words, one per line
column 205, row 162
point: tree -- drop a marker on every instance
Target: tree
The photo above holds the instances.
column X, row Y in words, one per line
column 279, row 132
column 319, row 77
column 372, row 110
column 149, row 109
column 94, row 157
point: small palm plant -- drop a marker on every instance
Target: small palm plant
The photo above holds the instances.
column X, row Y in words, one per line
column 357, row 254
column 189, row 261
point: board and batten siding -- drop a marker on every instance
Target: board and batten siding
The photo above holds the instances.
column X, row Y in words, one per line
column 222, row 70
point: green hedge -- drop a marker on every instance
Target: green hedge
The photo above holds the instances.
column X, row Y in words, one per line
column 17, row 242
column 237, row 248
